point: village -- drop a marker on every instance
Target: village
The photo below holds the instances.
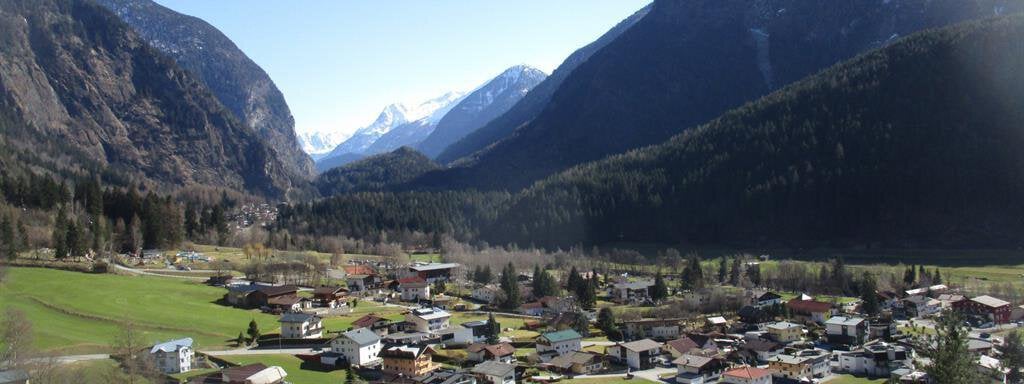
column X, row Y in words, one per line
column 434, row 322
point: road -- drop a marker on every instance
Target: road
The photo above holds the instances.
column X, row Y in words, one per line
column 652, row 374
column 244, row 352
column 145, row 273
column 71, row 358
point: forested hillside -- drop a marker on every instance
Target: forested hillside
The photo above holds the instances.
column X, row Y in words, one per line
column 375, row 173
column 685, row 63
column 913, row 145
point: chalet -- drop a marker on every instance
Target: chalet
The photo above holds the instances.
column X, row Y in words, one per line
column 442, row 301
column 717, row 323
column 296, row 325
column 174, row 356
column 434, row 272
column 494, row 372
column 889, row 300
column 487, row 294
column 844, row 330
column 791, row 367
column 948, row 299
column 442, row 376
column 480, row 352
column 785, row 332
column 359, row 347
column 761, row 350
column 659, row 329
column 992, row 368
column 991, row 308
column 264, row 294
column 877, row 360
column 289, row 303
column 558, row 343
column 746, row 375
column 693, row 369
column 691, row 344
column 578, row 363
column 921, row 306
column 768, row 299
column 428, row 319
column 558, row 304
column 407, row 361
column 253, row 374
column 329, row 297
column 414, row 288
column 640, row 354
column 238, row 294
column 377, row 324
column 535, row 308
column 632, row 292
column 810, row 310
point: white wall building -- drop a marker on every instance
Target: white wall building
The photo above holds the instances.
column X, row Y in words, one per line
column 174, row 356
column 428, row 320
column 359, row 347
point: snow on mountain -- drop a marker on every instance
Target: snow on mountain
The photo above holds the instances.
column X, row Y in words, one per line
column 318, row 144
column 488, row 101
column 426, row 115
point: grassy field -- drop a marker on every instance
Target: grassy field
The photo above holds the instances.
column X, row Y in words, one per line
column 427, row 258
column 294, row 367
column 78, row 313
column 606, row 381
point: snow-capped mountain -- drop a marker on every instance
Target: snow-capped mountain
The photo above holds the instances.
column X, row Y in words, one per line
column 426, row 115
column 318, row 144
column 484, row 104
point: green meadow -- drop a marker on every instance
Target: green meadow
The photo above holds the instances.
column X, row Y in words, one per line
column 75, row 312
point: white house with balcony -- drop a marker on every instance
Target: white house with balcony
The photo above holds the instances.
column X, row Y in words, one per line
column 301, row 326
column 174, row 356
column 428, row 320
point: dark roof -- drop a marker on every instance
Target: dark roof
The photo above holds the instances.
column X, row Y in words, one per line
column 761, row 345
column 682, row 344
column 808, row 306
column 242, row 372
column 288, row 300
column 769, row 296
column 278, row 290
column 366, row 321
column 323, row 291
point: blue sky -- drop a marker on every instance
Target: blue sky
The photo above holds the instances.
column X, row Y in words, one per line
column 339, row 62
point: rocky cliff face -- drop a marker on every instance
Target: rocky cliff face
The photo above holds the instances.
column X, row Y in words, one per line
column 239, row 83
column 73, row 71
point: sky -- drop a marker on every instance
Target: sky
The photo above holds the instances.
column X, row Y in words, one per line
column 339, row 62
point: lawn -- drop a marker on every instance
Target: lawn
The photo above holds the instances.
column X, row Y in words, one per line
column 75, row 312
column 850, row 379
column 427, row 258
column 294, row 367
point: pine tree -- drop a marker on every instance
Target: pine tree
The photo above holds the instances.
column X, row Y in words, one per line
column 510, row 286
column 59, row 237
column 587, row 293
column 350, row 375
column 722, row 269
column 493, row 329
column 951, row 361
column 840, row 278
column 937, row 279
column 659, row 291
column 1013, row 357
column 7, row 240
column 253, row 331
column 606, row 323
column 240, row 341
column 736, row 272
column 572, row 281
column 868, row 294
column 581, row 324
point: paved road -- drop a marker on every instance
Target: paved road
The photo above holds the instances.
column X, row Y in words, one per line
column 268, row 351
column 650, row 374
column 145, row 273
column 71, row 358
